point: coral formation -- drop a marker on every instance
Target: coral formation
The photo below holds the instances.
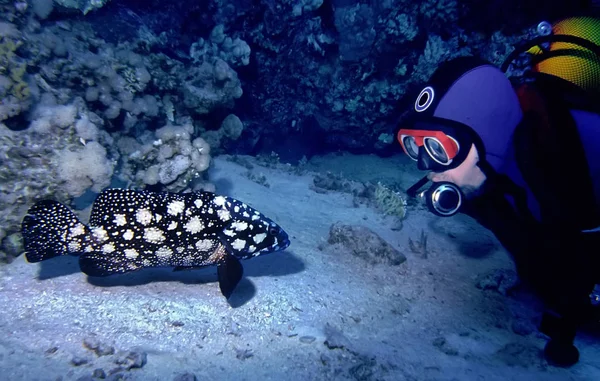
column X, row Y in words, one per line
column 14, row 90
column 234, row 51
column 389, row 202
column 42, row 8
column 84, row 6
column 350, row 72
column 357, row 33
column 363, row 243
column 170, row 156
column 60, row 155
column 211, row 86
column 231, row 128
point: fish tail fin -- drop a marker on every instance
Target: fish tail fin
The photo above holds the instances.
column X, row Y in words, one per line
column 51, row 229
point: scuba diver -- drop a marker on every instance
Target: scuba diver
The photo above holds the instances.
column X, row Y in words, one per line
column 522, row 157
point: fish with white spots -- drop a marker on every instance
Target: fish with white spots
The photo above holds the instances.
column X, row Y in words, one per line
column 129, row 230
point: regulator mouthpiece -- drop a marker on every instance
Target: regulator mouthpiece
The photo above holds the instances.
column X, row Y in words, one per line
column 442, row 198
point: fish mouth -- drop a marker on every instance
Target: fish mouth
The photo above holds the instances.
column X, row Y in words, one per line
column 283, row 241
column 282, row 246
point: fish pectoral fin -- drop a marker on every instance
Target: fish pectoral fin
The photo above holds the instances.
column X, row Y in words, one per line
column 99, row 264
column 230, row 272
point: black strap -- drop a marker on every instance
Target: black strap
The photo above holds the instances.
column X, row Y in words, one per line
column 522, row 48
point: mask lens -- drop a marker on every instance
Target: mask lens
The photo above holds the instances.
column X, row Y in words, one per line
column 410, row 145
column 436, row 150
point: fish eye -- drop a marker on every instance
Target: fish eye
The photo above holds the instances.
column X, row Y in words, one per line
column 273, row 230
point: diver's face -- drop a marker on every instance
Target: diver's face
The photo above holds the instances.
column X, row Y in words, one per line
column 467, row 176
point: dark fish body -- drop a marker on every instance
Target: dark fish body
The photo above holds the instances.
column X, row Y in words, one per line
column 129, row 230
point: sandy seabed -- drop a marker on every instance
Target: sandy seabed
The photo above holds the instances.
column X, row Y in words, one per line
column 307, row 313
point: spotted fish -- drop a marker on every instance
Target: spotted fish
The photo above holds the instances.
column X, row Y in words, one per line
column 130, row 230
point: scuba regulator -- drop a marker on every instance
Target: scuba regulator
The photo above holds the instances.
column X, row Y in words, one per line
column 442, row 198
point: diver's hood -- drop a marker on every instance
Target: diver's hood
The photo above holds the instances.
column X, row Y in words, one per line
column 477, row 94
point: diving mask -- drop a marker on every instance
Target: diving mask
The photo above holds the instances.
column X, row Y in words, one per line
column 436, row 144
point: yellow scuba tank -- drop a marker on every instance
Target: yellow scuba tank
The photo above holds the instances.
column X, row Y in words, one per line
column 576, row 62
column 567, row 51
